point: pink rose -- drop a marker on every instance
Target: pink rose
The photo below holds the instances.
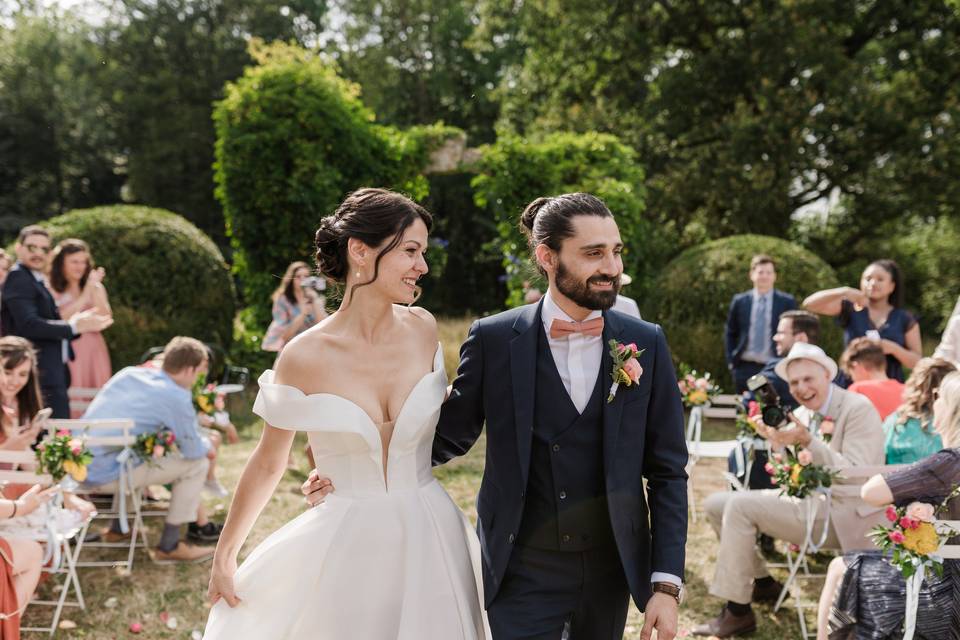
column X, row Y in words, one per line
column 690, row 379
column 920, row 511
column 778, row 457
column 220, row 402
column 895, row 537
column 170, row 437
column 703, row 384
column 76, row 446
column 826, row 427
column 633, row 369
column 908, row 523
column 769, row 468
column 753, row 408
column 891, row 514
column 794, row 548
column 632, row 346
column 63, row 432
column 683, row 387
column 158, row 451
column 804, row 457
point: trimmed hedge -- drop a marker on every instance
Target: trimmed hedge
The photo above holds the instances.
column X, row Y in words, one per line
column 694, row 290
column 165, row 277
column 293, row 138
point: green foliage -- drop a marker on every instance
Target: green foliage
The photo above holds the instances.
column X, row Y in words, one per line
column 745, row 111
column 515, row 171
column 293, row 138
column 694, row 292
column 164, row 276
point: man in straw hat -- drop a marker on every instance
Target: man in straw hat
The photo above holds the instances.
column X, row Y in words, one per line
column 855, row 438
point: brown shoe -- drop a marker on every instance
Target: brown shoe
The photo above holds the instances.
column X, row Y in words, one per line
column 186, row 553
column 727, row 624
column 109, row 535
column 767, row 591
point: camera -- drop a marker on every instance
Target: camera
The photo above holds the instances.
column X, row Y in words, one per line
column 313, row 282
column 774, row 413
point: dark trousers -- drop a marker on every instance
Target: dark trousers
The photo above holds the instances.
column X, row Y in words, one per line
column 56, row 397
column 742, row 371
column 759, row 478
column 542, row 591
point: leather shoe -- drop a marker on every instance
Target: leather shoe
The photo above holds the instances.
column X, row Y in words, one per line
column 109, row 535
column 727, row 624
column 766, row 592
column 183, row 552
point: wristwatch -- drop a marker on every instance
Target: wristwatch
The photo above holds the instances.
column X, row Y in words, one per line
column 670, row 589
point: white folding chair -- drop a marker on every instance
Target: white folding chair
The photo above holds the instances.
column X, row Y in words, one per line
column 723, row 407
column 80, row 398
column 947, row 550
column 126, row 505
column 63, row 542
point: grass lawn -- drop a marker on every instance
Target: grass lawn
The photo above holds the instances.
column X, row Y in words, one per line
column 115, row 600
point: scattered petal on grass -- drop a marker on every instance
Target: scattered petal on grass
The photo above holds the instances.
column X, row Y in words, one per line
column 171, row 622
column 196, row 635
column 67, row 624
column 136, row 627
column 111, row 602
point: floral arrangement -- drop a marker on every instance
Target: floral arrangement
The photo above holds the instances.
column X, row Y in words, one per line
column 153, row 446
column 796, row 475
column 626, row 369
column 827, row 426
column 63, row 454
column 695, row 389
column 913, row 536
column 746, row 427
column 204, row 395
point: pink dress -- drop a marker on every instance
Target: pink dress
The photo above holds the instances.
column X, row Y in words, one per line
column 90, row 367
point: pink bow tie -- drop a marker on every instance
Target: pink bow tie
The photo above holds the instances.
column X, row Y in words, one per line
column 562, row 328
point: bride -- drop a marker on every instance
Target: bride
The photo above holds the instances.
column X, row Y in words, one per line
column 389, row 555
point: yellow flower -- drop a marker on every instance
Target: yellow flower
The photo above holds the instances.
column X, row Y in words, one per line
column 204, row 403
column 795, row 475
column 76, row 471
column 697, row 397
column 922, row 540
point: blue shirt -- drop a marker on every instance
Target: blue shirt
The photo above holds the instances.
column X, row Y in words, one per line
column 153, row 401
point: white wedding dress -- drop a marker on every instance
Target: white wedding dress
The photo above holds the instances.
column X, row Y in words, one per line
column 381, row 558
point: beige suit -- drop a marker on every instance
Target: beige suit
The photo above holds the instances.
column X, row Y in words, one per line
column 738, row 516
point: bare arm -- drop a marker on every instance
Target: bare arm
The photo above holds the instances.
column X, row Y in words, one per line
column 257, row 483
column 101, row 300
column 876, row 492
column 70, row 308
column 911, row 353
column 829, row 301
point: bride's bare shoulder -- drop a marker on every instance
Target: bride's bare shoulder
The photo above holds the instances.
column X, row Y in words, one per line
column 300, row 358
column 420, row 322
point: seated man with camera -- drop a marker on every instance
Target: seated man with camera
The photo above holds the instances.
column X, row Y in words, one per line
column 856, row 439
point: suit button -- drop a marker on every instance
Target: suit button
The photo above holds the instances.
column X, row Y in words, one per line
column 523, row 494
column 556, row 447
column 511, row 538
column 563, row 495
column 566, row 538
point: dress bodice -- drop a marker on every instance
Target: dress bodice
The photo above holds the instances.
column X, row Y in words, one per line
column 346, row 443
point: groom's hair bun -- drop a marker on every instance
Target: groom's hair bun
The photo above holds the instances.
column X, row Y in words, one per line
column 549, row 221
column 373, row 216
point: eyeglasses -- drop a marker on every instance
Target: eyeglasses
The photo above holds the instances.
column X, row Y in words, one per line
column 33, row 248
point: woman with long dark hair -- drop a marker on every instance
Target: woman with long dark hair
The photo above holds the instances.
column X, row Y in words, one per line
column 297, row 306
column 875, row 311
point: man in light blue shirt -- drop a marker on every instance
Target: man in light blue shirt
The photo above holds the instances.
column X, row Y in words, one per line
column 155, row 399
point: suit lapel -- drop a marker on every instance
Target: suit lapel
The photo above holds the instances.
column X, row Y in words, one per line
column 612, row 411
column 523, row 369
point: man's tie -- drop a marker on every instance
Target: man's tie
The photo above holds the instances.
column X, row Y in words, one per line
column 759, row 342
column 563, row 329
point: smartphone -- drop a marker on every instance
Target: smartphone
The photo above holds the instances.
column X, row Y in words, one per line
column 42, row 416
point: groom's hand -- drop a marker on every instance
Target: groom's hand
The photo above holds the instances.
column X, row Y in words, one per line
column 315, row 488
column 661, row 614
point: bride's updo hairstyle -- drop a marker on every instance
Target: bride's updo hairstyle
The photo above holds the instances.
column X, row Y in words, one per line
column 549, row 221
column 372, row 216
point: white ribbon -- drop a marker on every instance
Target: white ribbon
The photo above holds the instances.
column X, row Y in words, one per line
column 125, row 458
column 913, row 600
column 811, row 504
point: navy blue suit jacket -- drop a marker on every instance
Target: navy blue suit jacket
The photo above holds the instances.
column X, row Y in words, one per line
column 737, row 333
column 643, row 437
column 27, row 309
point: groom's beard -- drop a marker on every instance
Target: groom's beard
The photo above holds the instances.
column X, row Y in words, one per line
column 580, row 292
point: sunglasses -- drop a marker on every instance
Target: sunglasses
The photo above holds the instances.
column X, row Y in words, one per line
column 34, row 248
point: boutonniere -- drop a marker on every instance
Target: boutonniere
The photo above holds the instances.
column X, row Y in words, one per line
column 626, row 369
column 827, row 426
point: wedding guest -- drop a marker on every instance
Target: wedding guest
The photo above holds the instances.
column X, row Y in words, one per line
column 752, row 321
column 624, row 304
column 865, row 603
column 949, row 347
column 6, row 262
column 741, row 575
column 875, row 310
column 297, row 306
column 21, row 561
column 910, row 435
column 865, row 364
column 29, row 311
column 21, row 401
column 77, row 285
column 155, row 399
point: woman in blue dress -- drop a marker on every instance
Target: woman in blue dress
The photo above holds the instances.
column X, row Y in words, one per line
column 875, row 311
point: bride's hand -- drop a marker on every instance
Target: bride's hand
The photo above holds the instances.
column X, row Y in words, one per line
column 221, row 584
column 315, row 488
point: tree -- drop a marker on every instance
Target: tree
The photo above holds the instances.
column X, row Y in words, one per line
column 744, row 112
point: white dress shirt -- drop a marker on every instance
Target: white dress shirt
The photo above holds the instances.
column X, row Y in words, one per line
column 578, row 358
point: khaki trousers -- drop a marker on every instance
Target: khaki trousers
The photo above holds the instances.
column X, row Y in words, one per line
column 187, row 477
column 737, row 517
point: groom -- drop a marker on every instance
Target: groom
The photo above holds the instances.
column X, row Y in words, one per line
column 566, row 531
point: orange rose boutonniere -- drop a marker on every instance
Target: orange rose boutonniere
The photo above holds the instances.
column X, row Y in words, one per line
column 626, row 368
